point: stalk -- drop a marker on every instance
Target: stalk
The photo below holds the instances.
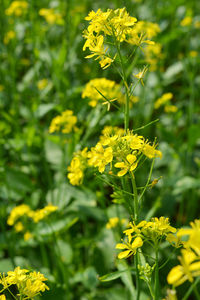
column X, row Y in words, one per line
column 156, row 293
column 124, row 78
column 136, row 218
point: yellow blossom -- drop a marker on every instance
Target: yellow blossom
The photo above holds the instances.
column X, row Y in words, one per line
column 18, row 212
column 129, row 165
column 150, row 151
column 10, row 35
column 141, row 74
column 77, row 167
column 40, row 214
column 65, row 122
column 42, row 83
column 130, row 248
column 17, row 8
column 187, row 270
column 2, row 297
column 100, row 89
column 193, row 53
column 51, row 16
column 170, row 108
column 163, row 99
column 100, row 157
column 29, row 284
column 186, row 21
column 27, row 236
column 19, row 227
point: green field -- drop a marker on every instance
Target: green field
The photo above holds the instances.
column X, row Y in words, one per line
column 100, row 150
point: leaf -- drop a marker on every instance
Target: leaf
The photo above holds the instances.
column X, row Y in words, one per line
column 18, row 181
column 126, row 277
column 43, row 109
column 186, row 183
column 112, row 276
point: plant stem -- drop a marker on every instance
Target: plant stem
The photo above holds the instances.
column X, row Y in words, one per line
column 135, row 219
column 196, row 293
column 135, row 197
column 156, row 293
column 124, row 78
column 191, row 289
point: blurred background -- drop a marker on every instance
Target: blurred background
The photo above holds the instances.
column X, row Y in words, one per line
column 43, row 71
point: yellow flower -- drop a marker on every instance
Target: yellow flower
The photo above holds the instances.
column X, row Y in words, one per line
column 40, row 214
column 2, row 297
column 16, row 276
column 34, row 284
column 112, row 223
column 193, row 53
column 186, row 21
column 194, row 236
column 189, row 268
column 170, row 108
column 102, row 90
column 42, row 83
column 28, row 284
column 163, row 99
column 141, row 74
column 18, row 212
column 135, row 229
column 116, row 23
column 77, row 167
column 130, row 248
column 150, row 151
column 65, row 122
column 51, row 16
column 9, row 36
column 17, row 8
column 100, row 157
column 19, row 227
column 27, row 236
column 129, row 165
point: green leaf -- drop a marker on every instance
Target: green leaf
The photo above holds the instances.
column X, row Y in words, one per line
column 112, row 276
column 43, row 109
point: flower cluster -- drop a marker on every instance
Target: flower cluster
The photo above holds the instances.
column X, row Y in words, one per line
column 102, row 90
column 120, row 151
column 65, row 122
column 164, row 100
column 29, row 284
column 153, row 232
column 24, row 210
column 190, row 256
column 118, row 25
column 17, row 8
column 77, row 167
column 51, row 16
column 10, row 35
column 153, row 54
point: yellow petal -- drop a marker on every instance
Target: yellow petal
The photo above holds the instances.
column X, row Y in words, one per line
column 124, row 254
column 120, row 165
column 122, row 172
column 131, row 158
column 121, row 246
column 174, row 275
column 138, row 242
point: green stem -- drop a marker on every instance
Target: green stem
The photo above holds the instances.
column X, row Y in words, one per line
column 135, row 197
column 191, row 289
column 137, row 276
column 196, row 293
column 135, row 219
column 124, row 78
column 156, row 277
